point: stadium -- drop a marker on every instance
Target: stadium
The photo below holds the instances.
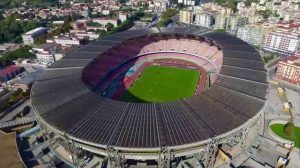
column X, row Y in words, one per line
column 162, row 97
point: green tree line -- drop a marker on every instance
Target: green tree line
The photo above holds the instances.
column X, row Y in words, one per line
column 13, row 99
column 124, row 25
column 166, row 17
column 11, row 29
column 56, row 32
column 8, row 57
column 26, row 3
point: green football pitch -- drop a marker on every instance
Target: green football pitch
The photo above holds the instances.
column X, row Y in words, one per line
column 162, row 84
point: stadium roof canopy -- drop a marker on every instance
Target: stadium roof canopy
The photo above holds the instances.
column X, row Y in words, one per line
column 66, row 103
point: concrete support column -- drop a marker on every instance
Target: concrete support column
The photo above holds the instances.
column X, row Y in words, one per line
column 115, row 159
column 211, row 152
column 164, row 158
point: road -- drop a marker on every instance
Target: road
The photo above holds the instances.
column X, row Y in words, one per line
column 154, row 22
column 10, row 115
column 271, row 71
column 5, row 97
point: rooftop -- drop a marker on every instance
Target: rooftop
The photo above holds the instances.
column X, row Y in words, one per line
column 46, row 46
column 287, row 25
column 292, row 61
column 35, row 30
column 237, row 95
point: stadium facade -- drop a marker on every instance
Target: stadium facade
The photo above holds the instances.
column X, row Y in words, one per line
column 220, row 123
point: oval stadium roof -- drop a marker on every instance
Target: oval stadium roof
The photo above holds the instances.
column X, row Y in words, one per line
column 65, row 102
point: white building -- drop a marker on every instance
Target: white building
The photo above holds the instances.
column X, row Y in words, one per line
column 45, row 52
column 186, row 16
column 236, row 22
column 160, row 5
column 282, row 42
column 58, row 22
column 105, row 12
column 29, row 37
column 89, row 35
column 187, row 2
column 122, row 17
column 68, row 41
column 252, row 35
column 221, row 22
column 104, row 21
column 204, row 20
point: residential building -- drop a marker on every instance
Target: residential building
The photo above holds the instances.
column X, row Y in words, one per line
column 186, row 16
column 255, row 19
column 282, row 42
column 68, row 41
column 104, row 21
column 159, row 5
column 221, row 22
column 122, row 17
column 288, row 27
column 289, row 70
column 198, row 9
column 105, row 12
column 29, row 37
column 187, row 2
column 58, row 22
column 236, row 22
column 246, row 11
column 297, row 54
column 251, row 34
column 89, row 35
column 45, row 52
column 205, row 20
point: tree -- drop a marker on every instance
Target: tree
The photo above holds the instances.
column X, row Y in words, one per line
column 163, row 23
column 169, row 13
column 112, row 14
column 289, row 129
column 11, row 29
column 14, row 98
column 29, row 3
column 232, row 4
column 248, row 2
column 128, row 23
column 109, row 26
column 166, row 17
column 22, row 52
column 266, row 13
column 122, row 1
column 175, row 1
column 96, row 24
column 66, row 27
column 25, row 110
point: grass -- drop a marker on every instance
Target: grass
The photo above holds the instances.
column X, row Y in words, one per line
column 293, row 135
column 268, row 58
column 162, row 84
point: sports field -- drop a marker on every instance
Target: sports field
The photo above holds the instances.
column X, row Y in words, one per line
column 162, row 84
